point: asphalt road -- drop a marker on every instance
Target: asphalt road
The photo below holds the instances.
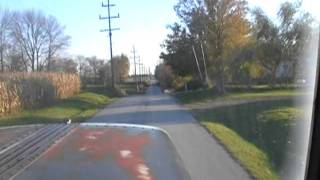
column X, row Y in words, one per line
column 203, row 156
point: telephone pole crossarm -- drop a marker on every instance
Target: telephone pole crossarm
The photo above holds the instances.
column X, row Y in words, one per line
column 111, row 17
column 107, row 5
column 110, row 29
column 107, row 30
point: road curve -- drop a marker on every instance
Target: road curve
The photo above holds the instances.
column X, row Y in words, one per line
column 202, row 155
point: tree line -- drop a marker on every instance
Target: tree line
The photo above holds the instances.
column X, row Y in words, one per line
column 32, row 41
column 93, row 70
column 233, row 44
column 29, row 40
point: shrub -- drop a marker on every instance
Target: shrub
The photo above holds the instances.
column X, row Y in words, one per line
column 180, row 83
column 195, row 84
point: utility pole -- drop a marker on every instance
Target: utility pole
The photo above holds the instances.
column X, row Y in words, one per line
column 205, row 65
column 139, row 67
column 110, row 36
column 135, row 68
column 195, row 56
column 142, row 73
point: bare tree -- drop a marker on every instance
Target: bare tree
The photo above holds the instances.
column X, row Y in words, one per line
column 56, row 39
column 81, row 64
column 95, row 65
column 5, row 19
column 66, row 65
column 30, row 39
column 17, row 53
column 15, row 63
column 29, row 30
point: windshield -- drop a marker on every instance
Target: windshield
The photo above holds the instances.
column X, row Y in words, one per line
column 231, row 82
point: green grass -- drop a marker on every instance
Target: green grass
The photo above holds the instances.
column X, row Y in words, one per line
column 210, row 95
column 257, row 134
column 78, row 108
column 130, row 88
column 247, row 153
column 272, row 93
column 281, row 115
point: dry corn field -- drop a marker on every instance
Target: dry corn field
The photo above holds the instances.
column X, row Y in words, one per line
column 29, row 90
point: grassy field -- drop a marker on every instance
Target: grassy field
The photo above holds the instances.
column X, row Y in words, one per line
column 256, row 133
column 210, row 95
column 251, row 157
column 130, row 88
column 78, row 108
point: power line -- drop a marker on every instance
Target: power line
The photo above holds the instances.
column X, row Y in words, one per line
column 108, row 5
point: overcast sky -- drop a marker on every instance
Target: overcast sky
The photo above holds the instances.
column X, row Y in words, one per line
column 142, row 23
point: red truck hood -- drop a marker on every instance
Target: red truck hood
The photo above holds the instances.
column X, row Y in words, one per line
column 103, row 151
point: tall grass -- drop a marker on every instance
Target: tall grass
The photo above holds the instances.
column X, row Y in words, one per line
column 28, row 90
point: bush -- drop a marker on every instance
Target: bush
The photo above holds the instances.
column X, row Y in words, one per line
column 117, row 91
column 195, row 84
column 29, row 90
